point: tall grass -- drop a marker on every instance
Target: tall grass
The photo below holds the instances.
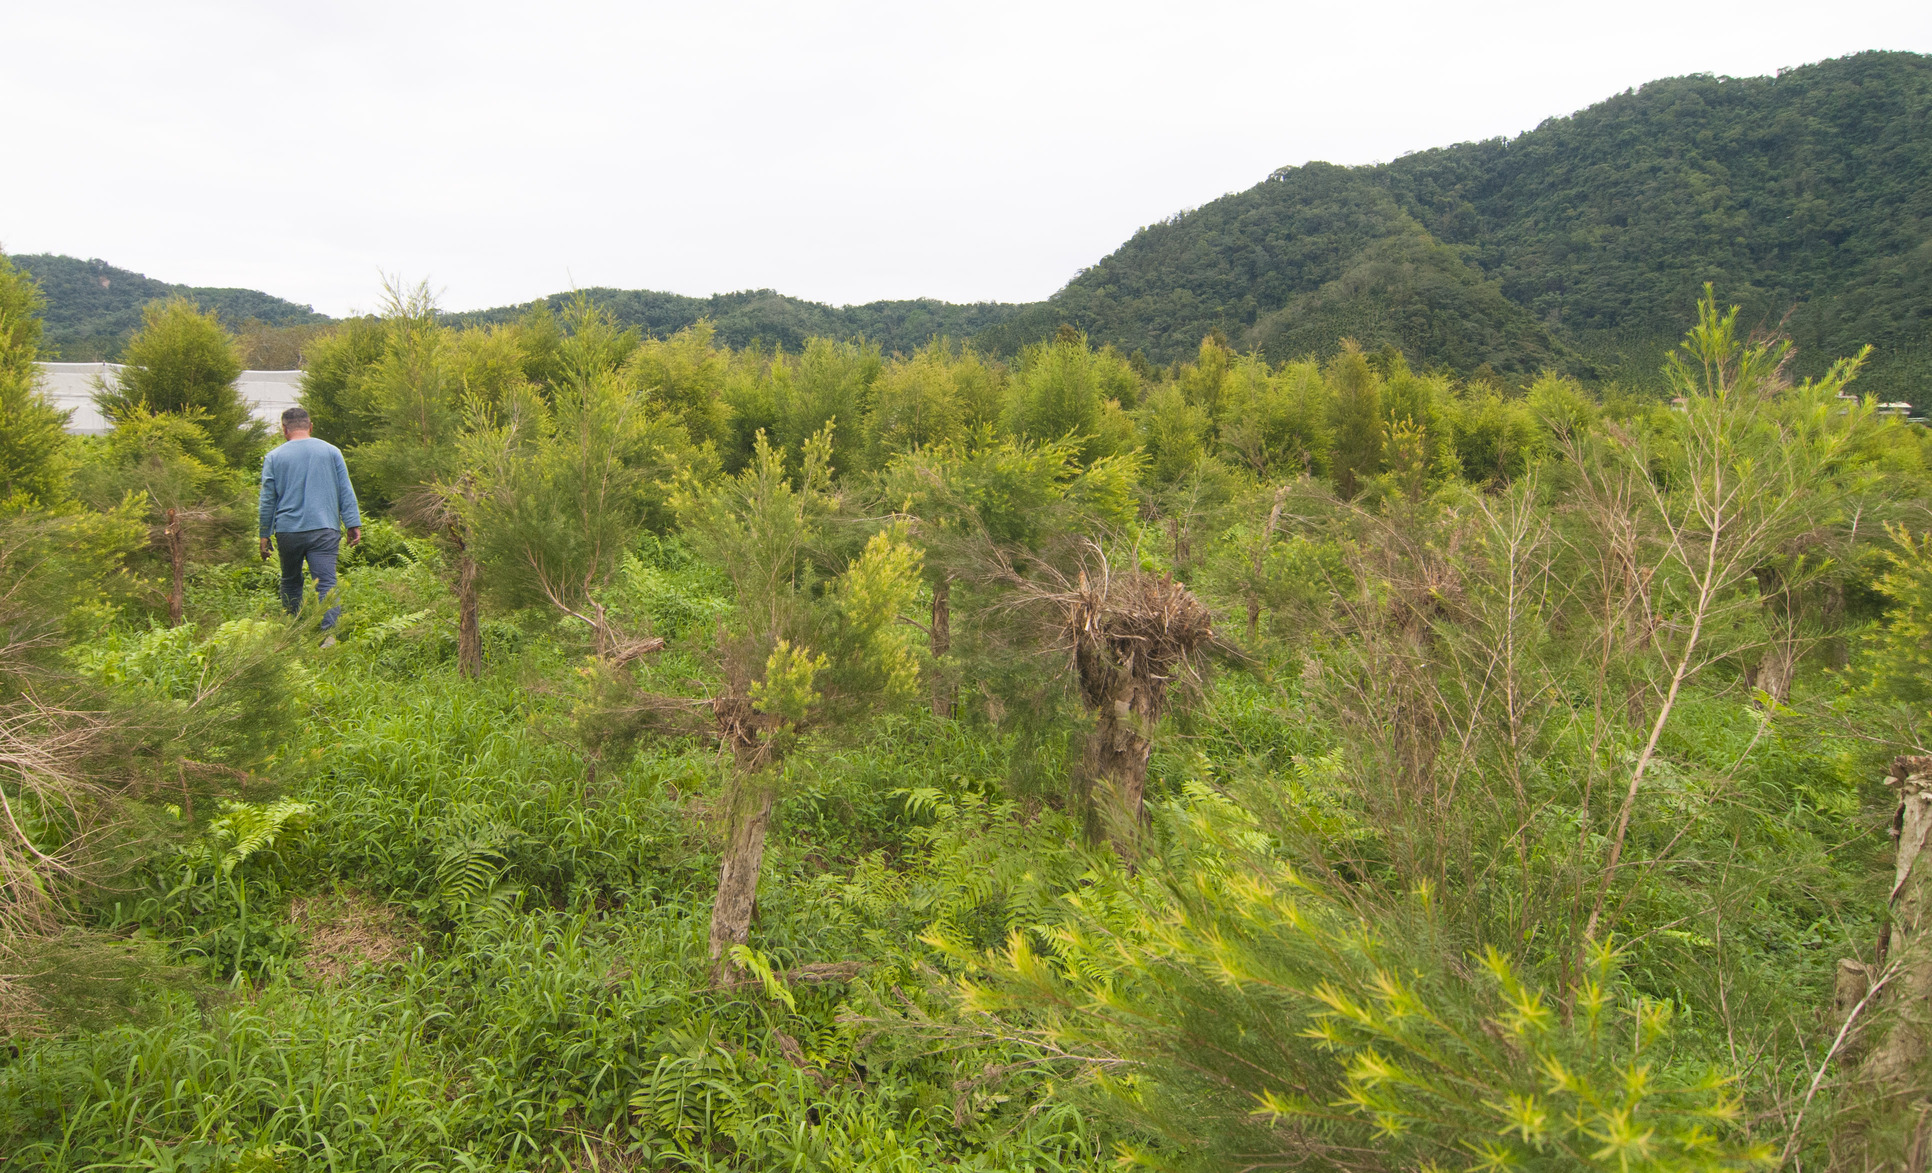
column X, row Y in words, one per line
column 553, row 1007
column 555, row 1010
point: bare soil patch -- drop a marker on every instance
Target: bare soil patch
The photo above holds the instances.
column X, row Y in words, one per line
column 350, row 931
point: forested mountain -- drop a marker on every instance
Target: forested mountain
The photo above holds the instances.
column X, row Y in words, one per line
column 92, row 307
column 1583, row 240
column 771, row 318
column 1580, row 245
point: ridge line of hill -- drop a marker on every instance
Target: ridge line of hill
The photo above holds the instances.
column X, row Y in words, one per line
column 1580, row 245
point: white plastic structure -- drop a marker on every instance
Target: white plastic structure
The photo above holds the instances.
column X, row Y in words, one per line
column 72, row 385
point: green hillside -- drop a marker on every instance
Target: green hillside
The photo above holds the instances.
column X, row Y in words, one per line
column 1579, row 245
column 771, row 318
column 92, row 306
column 1313, row 254
column 1582, row 240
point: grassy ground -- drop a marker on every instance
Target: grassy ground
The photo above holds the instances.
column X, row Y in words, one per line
column 471, row 946
column 460, row 940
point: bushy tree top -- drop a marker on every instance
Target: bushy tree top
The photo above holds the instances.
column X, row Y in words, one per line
column 32, row 440
column 183, row 362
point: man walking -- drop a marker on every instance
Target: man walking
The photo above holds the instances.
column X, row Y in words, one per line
column 306, row 499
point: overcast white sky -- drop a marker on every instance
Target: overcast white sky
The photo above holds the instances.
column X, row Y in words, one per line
column 843, row 152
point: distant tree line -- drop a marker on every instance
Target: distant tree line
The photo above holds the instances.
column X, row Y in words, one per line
column 1579, row 246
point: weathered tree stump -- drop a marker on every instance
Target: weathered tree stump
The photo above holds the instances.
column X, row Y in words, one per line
column 1888, row 1121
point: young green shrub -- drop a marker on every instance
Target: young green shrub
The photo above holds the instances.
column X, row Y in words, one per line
column 203, row 702
column 335, row 382
column 1355, row 420
column 1225, row 1003
column 33, row 437
column 794, row 659
column 1066, row 390
column 559, row 491
column 196, row 504
column 1278, row 422
column 917, row 402
column 184, row 362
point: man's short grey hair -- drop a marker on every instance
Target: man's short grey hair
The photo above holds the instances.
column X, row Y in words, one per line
column 296, row 417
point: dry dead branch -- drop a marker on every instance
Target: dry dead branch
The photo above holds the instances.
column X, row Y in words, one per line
column 41, row 784
column 1130, row 636
column 814, row 973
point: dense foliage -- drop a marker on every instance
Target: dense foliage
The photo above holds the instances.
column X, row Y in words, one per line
column 32, row 435
column 183, row 363
column 763, row 753
column 93, row 307
column 736, row 758
column 773, row 319
column 1585, row 239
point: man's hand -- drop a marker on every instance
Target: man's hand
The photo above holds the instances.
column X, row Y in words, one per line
column 264, row 549
column 355, row 535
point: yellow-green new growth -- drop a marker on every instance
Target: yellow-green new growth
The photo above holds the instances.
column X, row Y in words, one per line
column 786, row 691
column 874, row 592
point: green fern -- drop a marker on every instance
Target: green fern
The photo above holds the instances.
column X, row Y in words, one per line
column 760, row 966
column 246, row 828
column 381, row 633
column 469, row 878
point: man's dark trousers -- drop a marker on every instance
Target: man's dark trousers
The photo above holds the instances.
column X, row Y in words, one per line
column 319, row 547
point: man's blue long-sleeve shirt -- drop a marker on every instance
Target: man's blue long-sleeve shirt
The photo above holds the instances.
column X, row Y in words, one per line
column 305, row 486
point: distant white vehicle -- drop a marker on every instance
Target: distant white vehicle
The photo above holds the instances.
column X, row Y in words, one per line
column 71, row 385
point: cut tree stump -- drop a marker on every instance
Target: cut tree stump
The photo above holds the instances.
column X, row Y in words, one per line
column 1889, row 1124
column 1901, row 1054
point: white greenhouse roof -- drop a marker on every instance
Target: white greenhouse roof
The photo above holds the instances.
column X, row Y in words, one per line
column 71, row 386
